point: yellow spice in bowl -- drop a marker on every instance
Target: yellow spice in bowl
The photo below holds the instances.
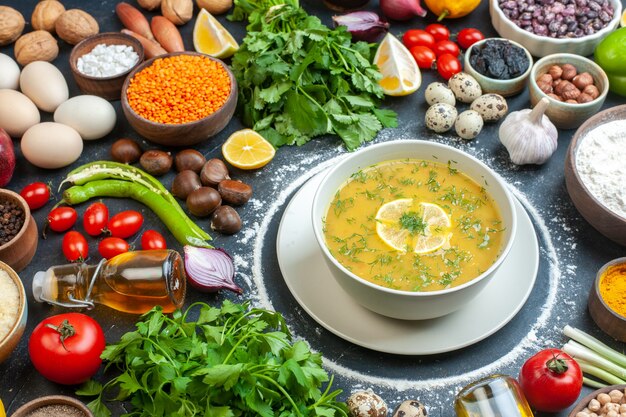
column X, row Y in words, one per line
column 613, row 288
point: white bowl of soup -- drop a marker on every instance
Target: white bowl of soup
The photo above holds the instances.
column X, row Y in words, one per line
column 411, row 229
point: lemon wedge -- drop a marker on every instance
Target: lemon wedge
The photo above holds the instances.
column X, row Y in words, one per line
column 622, row 21
column 401, row 75
column 408, row 225
column 211, row 38
column 246, row 149
column 2, row 413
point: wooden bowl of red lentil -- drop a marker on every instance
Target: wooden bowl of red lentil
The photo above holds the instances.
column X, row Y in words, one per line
column 179, row 99
column 18, row 231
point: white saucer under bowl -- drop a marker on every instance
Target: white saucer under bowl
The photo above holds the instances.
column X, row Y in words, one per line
column 314, row 288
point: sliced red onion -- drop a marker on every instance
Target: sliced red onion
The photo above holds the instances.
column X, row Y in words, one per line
column 210, row 270
column 364, row 26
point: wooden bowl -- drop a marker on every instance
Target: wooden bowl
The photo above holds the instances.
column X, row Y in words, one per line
column 10, row 341
column 19, row 251
column 37, row 403
column 109, row 88
column 184, row 134
column 585, row 401
column 602, row 314
column 600, row 217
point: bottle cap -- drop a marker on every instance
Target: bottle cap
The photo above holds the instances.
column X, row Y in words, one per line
column 38, row 280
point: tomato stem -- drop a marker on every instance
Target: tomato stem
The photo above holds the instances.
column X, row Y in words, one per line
column 65, row 330
column 557, row 365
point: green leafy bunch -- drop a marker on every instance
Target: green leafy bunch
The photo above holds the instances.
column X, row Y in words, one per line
column 232, row 361
column 299, row 79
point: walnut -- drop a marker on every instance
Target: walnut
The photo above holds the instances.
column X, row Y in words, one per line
column 178, row 12
column 149, row 4
column 555, row 72
column 46, row 14
column 11, row 25
column 75, row 25
column 582, row 80
column 569, row 72
column 36, row 46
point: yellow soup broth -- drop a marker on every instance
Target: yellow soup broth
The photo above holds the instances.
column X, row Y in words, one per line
column 414, row 225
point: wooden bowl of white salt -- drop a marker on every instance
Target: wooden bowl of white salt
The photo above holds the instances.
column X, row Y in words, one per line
column 595, row 172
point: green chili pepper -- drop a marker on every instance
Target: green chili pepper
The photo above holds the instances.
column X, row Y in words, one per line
column 176, row 222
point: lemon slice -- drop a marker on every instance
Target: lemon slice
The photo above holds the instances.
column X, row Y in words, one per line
column 405, row 225
column 246, row 149
column 401, row 75
column 622, row 21
column 2, row 413
column 211, row 38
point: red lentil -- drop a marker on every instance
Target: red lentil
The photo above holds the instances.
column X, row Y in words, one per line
column 179, row 89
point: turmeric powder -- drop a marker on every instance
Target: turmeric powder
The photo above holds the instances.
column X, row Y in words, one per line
column 613, row 288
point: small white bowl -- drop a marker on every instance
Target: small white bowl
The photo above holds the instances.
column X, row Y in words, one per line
column 410, row 305
column 543, row 45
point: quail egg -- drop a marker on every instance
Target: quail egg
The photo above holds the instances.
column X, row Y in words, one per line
column 366, row 404
column 439, row 93
column 440, row 117
column 410, row 408
column 465, row 87
column 469, row 124
column 492, row 107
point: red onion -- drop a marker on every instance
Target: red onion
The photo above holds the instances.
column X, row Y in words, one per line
column 210, row 270
column 364, row 26
column 7, row 158
column 402, row 9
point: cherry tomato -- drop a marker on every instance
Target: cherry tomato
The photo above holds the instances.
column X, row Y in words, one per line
column 112, row 246
column 414, row 37
column 125, row 223
column 151, row 239
column 95, row 219
column 61, row 219
column 424, row 56
column 36, row 194
column 446, row 47
column 439, row 31
column 75, row 246
column 468, row 37
column 448, row 65
column 551, row 380
column 66, row 348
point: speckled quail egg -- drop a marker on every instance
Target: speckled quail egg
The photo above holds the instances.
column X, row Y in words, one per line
column 439, row 93
column 465, row 87
column 469, row 124
column 440, row 117
column 492, row 107
column 410, row 408
column 366, row 404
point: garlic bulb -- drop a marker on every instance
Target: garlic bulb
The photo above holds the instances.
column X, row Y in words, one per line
column 528, row 135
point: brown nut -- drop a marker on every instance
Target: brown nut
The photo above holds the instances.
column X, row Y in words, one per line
column 74, row 25
column 184, row 183
column 215, row 7
column 554, row 96
column 156, row 162
column 555, row 72
column 126, row 151
column 226, row 220
column 569, row 72
column 584, row 98
column 592, row 90
column 189, row 159
column 234, row 192
column 36, row 46
column 571, row 101
column 203, row 201
column 178, row 12
column 149, row 4
column 562, row 86
column 570, row 92
column 582, row 80
column 546, row 78
column 11, row 25
column 46, row 14
column 214, row 172
column 544, row 86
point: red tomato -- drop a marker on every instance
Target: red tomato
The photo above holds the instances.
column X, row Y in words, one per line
column 36, row 195
column 61, row 219
column 95, row 219
column 439, row 31
column 125, row 223
column 66, row 348
column 468, row 37
column 551, row 380
column 448, row 65
column 446, row 47
column 424, row 56
column 151, row 239
column 414, row 37
column 75, row 246
column 112, row 246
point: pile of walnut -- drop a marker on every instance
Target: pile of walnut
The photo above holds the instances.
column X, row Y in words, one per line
column 564, row 83
column 369, row 404
column 612, row 404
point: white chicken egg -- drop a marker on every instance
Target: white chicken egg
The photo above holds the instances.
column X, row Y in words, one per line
column 92, row 117
column 51, row 145
column 44, row 84
column 9, row 73
column 17, row 112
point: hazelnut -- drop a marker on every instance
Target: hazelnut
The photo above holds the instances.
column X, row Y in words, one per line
column 545, row 78
column 584, row 98
column 46, row 14
column 571, row 101
column 11, row 25
column 555, row 72
column 544, row 86
column 74, row 25
column 554, row 96
column 149, row 4
column 569, row 72
column 36, row 46
column 178, row 12
column 582, row 80
column 562, row 86
column 570, row 92
column 556, row 82
column 592, row 90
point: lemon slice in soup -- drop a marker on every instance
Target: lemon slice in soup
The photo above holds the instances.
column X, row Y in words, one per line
column 406, row 225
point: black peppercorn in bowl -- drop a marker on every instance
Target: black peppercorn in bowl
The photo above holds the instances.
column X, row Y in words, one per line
column 18, row 231
column 551, row 27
